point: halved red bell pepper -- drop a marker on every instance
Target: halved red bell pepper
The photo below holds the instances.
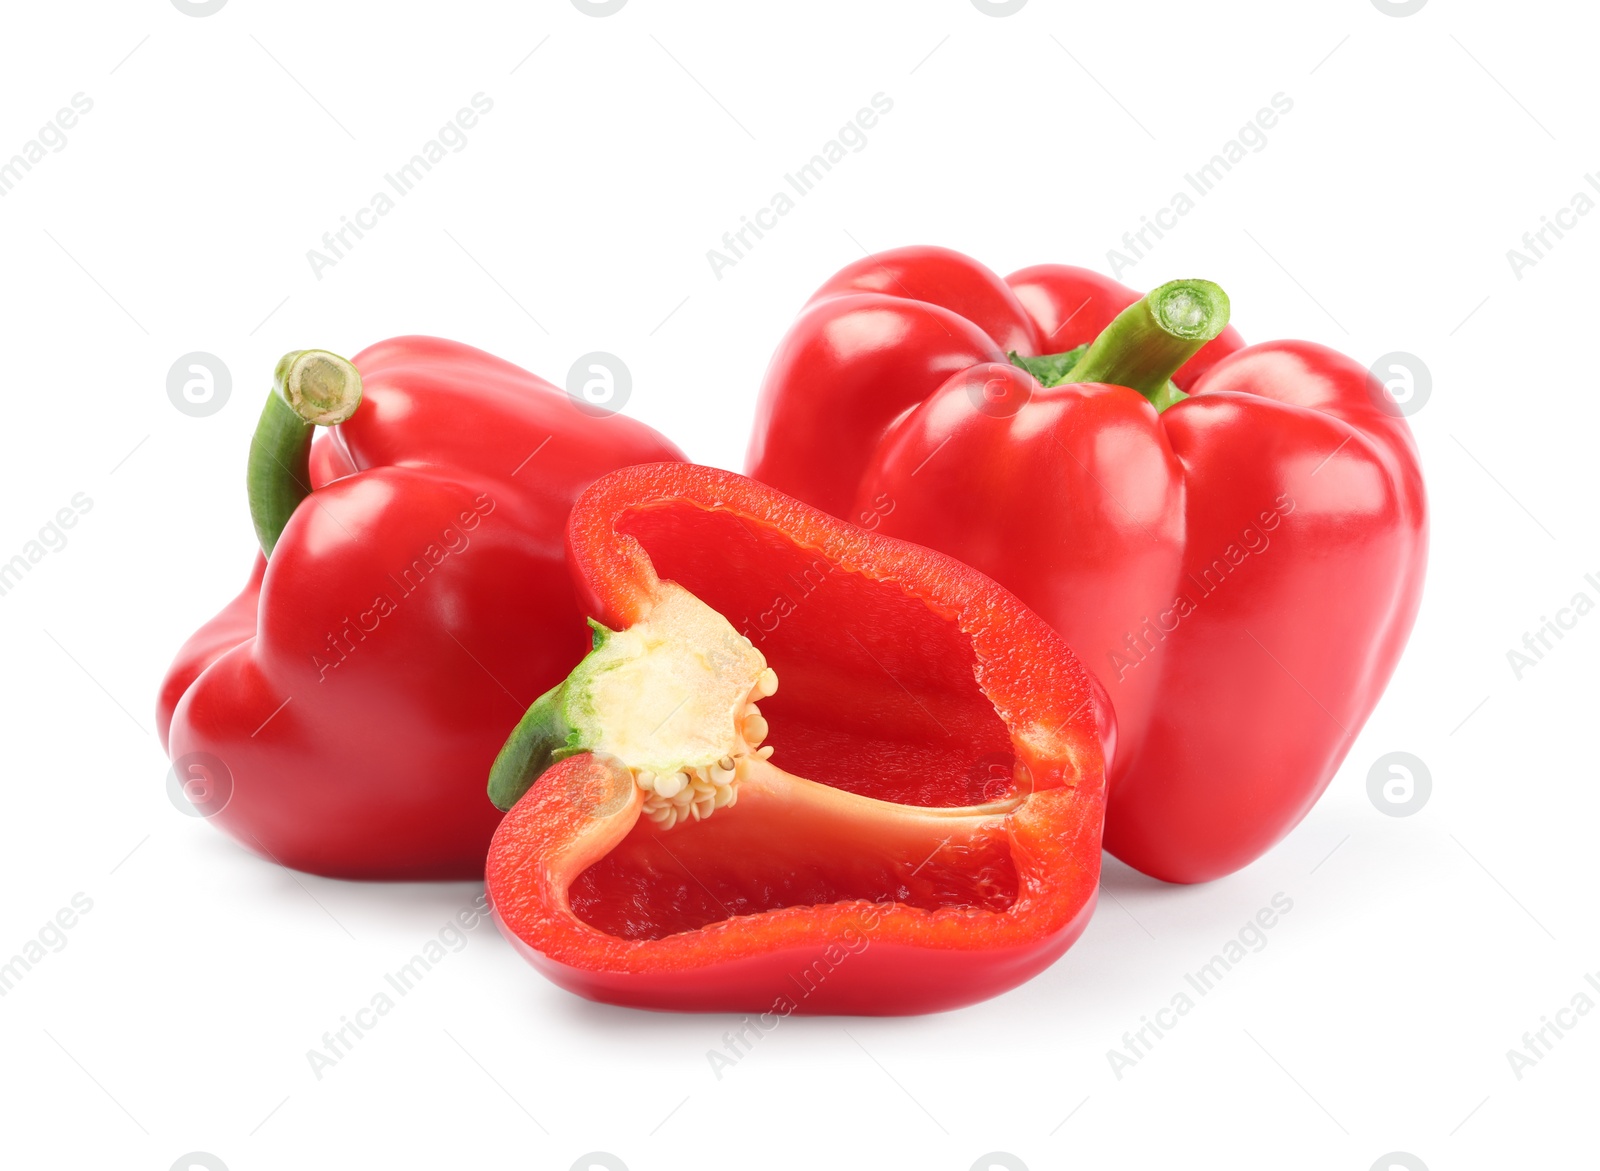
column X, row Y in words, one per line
column 1232, row 538
column 927, row 834
column 411, row 598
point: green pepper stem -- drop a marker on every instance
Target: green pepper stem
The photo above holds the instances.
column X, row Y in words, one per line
column 540, row 739
column 310, row 389
column 1146, row 344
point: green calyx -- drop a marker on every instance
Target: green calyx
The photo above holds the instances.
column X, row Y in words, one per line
column 310, row 389
column 1144, row 345
column 548, row 732
column 1050, row 369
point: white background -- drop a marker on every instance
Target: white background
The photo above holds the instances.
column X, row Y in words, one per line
column 1377, row 218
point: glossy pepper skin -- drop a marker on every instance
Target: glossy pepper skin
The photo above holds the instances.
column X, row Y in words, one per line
column 1241, row 569
column 412, row 606
column 946, row 844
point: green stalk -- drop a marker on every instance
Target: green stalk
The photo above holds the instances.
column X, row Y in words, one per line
column 542, row 737
column 310, row 389
column 1145, row 344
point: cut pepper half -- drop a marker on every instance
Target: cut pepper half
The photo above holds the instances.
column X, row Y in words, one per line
column 909, row 823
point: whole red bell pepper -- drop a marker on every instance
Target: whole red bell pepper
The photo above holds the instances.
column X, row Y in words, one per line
column 928, row 833
column 411, row 599
column 1232, row 537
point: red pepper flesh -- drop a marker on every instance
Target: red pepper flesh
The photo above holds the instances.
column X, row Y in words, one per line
column 933, row 835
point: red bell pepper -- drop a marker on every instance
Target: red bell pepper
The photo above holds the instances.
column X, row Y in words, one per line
column 411, row 598
column 1232, row 538
column 928, row 833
